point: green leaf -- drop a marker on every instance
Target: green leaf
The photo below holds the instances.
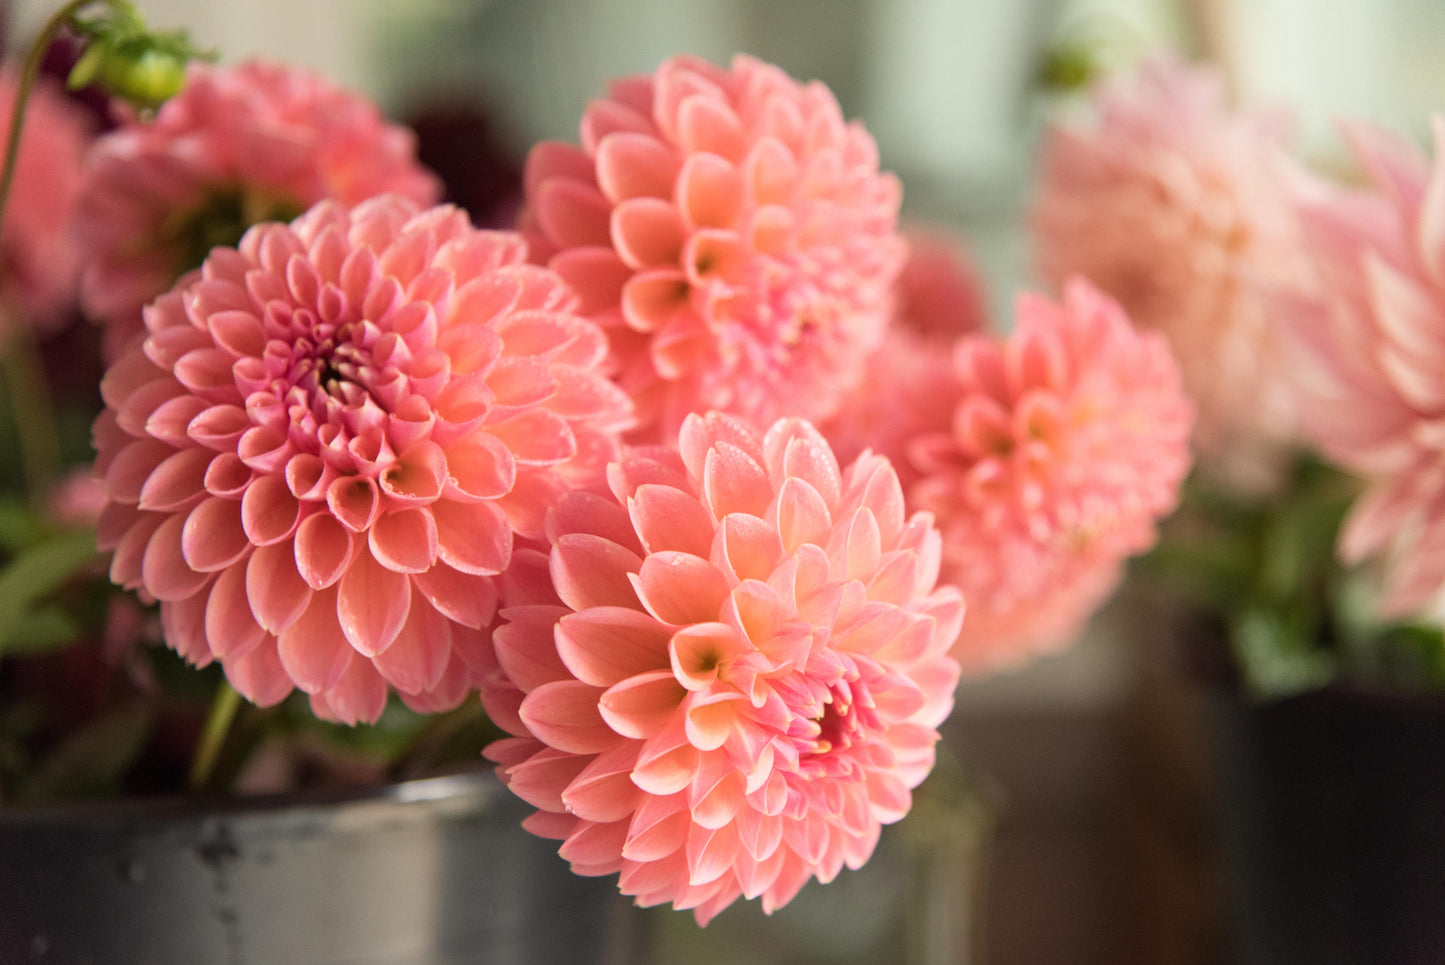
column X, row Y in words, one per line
column 34, row 573
column 93, row 761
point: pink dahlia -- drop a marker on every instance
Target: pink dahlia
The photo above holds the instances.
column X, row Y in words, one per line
column 731, row 230
column 1069, row 439
column 39, row 264
column 727, row 675
column 238, row 145
column 911, row 386
column 1371, row 330
column 317, row 458
column 1171, row 204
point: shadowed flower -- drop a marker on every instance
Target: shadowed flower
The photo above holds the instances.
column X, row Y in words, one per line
column 1171, row 203
column 38, row 259
column 731, row 230
column 1069, row 439
column 318, row 457
column 238, row 146
column 728, row 673
column 1370, row 328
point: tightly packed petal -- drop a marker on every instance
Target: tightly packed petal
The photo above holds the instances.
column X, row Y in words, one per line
column 39, row 263
column 734, row 233
column 1069, row 439
column 319, row 455
column 911, row 386
column 238, row 146
column 727, row 674
column 1370, row 330
column 1172, row 204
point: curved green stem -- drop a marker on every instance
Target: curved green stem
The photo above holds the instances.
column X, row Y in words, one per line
column 31, row 71
column 213, row 738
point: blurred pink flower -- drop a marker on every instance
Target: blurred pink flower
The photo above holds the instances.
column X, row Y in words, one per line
column 238, row 146
column 318, row 457
column 1370, row 328
column 39, row 264
column 1069, row 439
column 1172, row 204
column 728, row 675
column 911, row 386
column 732, row 232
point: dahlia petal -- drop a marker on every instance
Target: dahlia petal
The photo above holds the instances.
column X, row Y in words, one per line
column 372, row 604
column 889, row 795
column 708, row 125
column 592, row 571
column 571, row 213
column 184, row 624
column 667, row 761
column 710, row 720
column 595, row 274
column 652, row 300
column 563, row 714
column 522, row 646
column 416, row 660
column 603, row 792
column 259, row 676
column 631, row 165
column 733, row 482
column 269, row 512
column 139, row 408
column 472, row 537
column 802, row 515
column 358, row 697
column 404, row 541
column 323, row 549
column 277, row 593
column 710, row 852
column 418, row 475
column 313, row 649
column 679, row 588
column 131, row 468
column 647, row 232
column 536, row 437
column 760, row 835
column 231, row 627
column 697, row 651
column 659, row 828
column 595, row 849
column 553, row 159
column 643, row 704
column 176, row 482
column 164, row 570
column 771, row 172
column 709, row 192
column 461, row 597
column 354, row 501
column 666, row 518
column 747, row 547
column 603, row 646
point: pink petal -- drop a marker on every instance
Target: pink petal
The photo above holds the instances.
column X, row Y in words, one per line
column 404, row 541
column 679, row 588
column 564, row 714
column 313, row 650
column 469, row 600
column 177, row 481
column 164, row 570
column 417, row 658
column 647, row 232
column 642, row 705
column 603, row 791
column 635, row 165
column 372, row 604
column 666, row 518
column 590, row 571
column 323, row 550
column 472, row 537
column 231, row 626
column 277, row 593
column 603, row 646
column 709, row 192
column 269, row 512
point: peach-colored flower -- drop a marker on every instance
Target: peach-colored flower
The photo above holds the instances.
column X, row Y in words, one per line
column 1069, row 439
column 1171, row 203
column 911, row 386
column 1370, row 328
column 732, row 231
column 318, row 457
column 238, row 146
column 39, row 263
column 729, row 672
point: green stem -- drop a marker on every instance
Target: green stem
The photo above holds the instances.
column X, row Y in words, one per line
column 31, row 71
column 213, row 738
column 33, row 410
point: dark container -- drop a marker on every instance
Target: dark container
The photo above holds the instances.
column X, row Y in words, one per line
column 430, row 872
column 1333, row 818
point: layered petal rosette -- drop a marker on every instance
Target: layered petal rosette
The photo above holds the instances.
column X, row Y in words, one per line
column 727, row 675
column 39, row 263
column 237, row 146
column 1370, row 330
column 1172, row 203
column 1069, row 439
column 732, row 230
column 319, row 455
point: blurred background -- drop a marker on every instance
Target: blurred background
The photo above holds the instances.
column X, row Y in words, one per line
column 1080, row 787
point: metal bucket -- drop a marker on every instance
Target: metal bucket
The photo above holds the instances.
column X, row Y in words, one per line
column 430, row 872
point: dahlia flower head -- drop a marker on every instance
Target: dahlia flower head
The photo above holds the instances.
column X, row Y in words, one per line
column 1370, row 332
column 319, row 456
column 1172, row 203
column 40, row 262
column 911, row 386
column 726, row 675
column 1069, row 439
column 731, row 231
column 237, row 146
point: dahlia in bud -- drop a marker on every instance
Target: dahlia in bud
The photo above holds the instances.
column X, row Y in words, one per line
column 727, row 674
column 1370, row 331
column 1171, row 202
column 319, row 455
column 1069, row 439
column 237, row 146
column 734, row 233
